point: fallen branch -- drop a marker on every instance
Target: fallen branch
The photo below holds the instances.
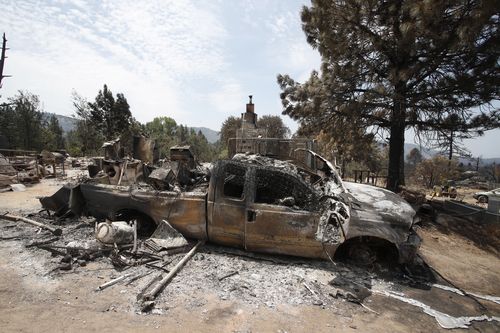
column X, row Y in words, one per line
column 114, row 281
column 137, row 277
column 371, row 310
column 149, row 284
column 15, row 218
column 308, row 288
column 228, row 275
column 52, row 250
column 11, row 237
column 43, row 242
column 73, row 248
column 152, row 294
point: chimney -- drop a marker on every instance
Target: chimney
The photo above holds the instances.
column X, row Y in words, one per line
column 250, row 105
column 249, row 118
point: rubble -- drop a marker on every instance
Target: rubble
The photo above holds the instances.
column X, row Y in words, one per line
column 6, row 181
column 28, row 167
column 177, row 198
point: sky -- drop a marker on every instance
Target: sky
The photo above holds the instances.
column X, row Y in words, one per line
column 194, row 61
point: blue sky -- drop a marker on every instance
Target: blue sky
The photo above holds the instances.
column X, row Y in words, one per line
column 194, row 61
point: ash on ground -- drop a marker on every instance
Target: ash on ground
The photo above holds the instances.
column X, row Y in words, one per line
column 231, row 274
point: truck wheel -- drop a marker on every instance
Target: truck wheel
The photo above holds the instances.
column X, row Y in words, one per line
column 482, row 199
column 362, row 254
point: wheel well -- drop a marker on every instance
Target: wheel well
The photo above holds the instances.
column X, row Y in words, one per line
column 384, row 249
column 482, row 198
column 145, row 224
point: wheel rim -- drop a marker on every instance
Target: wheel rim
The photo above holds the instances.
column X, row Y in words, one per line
column 482, row 199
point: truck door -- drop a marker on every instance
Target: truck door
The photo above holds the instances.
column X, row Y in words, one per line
column 226, row 206
column 280, row 216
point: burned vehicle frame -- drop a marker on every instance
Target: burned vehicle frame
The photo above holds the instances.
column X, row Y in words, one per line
column 265, row 205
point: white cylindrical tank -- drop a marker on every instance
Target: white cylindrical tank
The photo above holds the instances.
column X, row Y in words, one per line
column 118, row 232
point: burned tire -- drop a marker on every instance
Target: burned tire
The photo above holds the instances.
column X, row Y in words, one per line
column 482, row 199
column 362, row 254
column 365, row 251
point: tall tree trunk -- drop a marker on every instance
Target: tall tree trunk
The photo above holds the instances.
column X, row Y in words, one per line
column 450, row 153
column 343, row 168
column 395, row 175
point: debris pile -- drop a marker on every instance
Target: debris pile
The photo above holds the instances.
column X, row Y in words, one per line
column 17, row 170
column 28, row 167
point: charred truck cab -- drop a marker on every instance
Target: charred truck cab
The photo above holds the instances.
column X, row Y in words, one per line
column 267, row 209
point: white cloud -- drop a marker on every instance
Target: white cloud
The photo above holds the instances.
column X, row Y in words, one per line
column 280, row 25
column 302, row 59
column 229, row 99
column 147, row 50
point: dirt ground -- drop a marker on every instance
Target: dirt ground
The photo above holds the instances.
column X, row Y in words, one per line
column 266, row 294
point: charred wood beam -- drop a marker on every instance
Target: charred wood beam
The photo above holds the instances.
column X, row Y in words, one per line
column 15, row 218
column 152, row 294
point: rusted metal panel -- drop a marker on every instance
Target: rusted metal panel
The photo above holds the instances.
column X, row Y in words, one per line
column 227, row 224
column 227, row 210
column 184, row 211
column 275, row 229
column 188, row 215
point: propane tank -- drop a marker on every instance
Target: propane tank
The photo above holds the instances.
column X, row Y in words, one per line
column 117, row 232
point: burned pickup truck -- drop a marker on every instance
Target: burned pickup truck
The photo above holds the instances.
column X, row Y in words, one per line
column 265, row 205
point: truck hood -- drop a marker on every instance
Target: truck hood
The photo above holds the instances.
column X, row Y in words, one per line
column 378, row 204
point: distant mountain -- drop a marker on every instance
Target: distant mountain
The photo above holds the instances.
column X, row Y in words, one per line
column 492, row 160
column 427, row 153
column 67, row 123
column 482, row 161
column 211, row 135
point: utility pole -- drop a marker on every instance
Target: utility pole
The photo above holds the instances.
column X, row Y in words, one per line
column 2, row 59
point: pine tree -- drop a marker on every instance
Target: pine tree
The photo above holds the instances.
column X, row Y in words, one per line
column 274, row 126
column 228, row 129
column 414, row 157
column 120, row 117
column 28, row 121
column 101, row 110
column 87, row 137
column 397, row 64
column 8, row 130
column 112, row 117
column 448, row 138
column 162, row 129
column 53, row 134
